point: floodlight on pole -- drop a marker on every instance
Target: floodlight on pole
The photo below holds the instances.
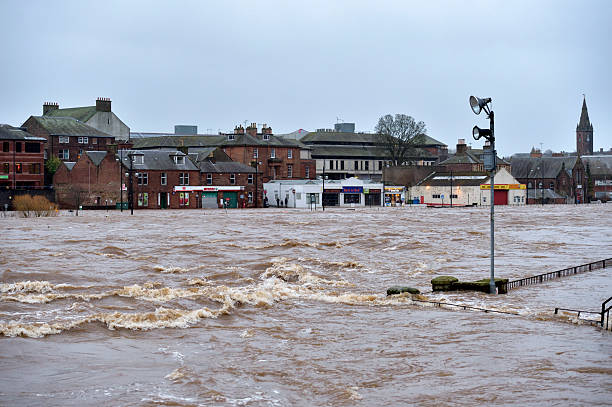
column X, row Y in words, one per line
column 478, row 105
column 477, row 133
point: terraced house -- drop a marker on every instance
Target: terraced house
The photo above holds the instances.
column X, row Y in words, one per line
column 273, row 157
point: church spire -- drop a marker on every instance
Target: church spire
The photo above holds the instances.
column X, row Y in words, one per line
column 584, row 124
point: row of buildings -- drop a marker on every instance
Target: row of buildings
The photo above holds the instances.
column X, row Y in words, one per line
column 87, row 156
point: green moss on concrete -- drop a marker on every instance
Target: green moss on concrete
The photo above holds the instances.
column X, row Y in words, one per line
column 398, row 289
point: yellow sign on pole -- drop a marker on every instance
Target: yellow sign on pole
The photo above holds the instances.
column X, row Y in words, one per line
column 503, row 186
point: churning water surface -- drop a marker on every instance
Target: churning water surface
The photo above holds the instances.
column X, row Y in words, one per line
column 289, row 308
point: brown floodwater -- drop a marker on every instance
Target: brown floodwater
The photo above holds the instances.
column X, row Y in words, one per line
column 289, row 308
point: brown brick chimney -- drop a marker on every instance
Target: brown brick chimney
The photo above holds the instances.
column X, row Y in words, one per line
column 461, row 147
column 103, row 105
column 266, row 129
column 48, row 106
column 535, row 153
column 239, row 130
column 252, row 130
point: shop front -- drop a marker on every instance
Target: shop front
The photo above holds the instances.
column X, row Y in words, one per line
column 210, row 197
column 394, row 196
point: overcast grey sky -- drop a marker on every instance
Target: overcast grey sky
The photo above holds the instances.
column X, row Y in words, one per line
column 304, row 64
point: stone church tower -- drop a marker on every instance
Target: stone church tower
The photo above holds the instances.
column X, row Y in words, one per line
column 584, row 133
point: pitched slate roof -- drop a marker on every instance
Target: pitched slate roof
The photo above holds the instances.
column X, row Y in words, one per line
column 156, row 160
column 96, row 156
column 541, row 167
column 222, row 140
column 8, row 132
column 465, row 158
column 82, row 114
column 441, row 179
column 225, row 167
column 336, row 137
column 68, row 126
column 599, row 165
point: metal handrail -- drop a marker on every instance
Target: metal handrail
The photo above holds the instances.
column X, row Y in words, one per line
column 540, row 278
column 605, row 311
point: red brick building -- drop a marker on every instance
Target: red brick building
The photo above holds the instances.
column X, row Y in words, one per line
column 274, row 157
column 67, row 137
column 160, row 179
column 21, row 159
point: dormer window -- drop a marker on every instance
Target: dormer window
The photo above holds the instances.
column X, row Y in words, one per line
column 231, row 137
column 138, row 159
column 266, row 137
column 179, row 159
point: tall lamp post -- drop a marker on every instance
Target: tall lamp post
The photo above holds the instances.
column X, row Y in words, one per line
column 131, row 156
column 478, row 105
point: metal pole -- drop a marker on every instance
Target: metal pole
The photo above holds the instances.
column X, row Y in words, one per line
column 451, row 183
column 131, row 193
column 121, row 181
column 323, row 190
column 492, row 281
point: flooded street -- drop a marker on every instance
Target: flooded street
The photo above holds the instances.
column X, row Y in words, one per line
column 288, row 307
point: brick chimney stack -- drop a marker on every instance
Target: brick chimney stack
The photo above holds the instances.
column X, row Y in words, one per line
column 252, row 130
column 239, row 130
column 103, row 105
column 461, row 147
column 48, row 106
column 535, row 153
column 266, row 130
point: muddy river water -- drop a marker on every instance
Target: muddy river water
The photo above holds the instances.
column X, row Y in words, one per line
column 274, row 307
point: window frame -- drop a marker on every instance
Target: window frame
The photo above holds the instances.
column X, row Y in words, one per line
column 163, row 178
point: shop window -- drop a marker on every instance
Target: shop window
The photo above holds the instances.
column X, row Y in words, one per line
column 143, row 199
column 143, row 178
column 352, row 198
column 209, row 178
column 233, row 179
column 250, row 179
column 64, row 139
column 5, row 168
column 18, row 168
column 32, row 148
column 183, row 178
column 164, row 178
column 289, row 171
column 184, row 199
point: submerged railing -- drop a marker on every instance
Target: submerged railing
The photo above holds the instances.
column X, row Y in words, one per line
column 604, row 320
column 605, row 315
column 541, row 278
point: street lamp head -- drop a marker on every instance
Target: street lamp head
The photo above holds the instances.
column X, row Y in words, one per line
column 477, row 133
column 477, row 104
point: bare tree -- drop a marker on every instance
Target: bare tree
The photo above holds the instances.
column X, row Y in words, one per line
column 400, row 136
